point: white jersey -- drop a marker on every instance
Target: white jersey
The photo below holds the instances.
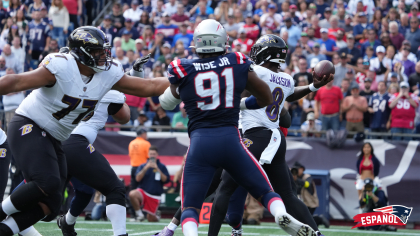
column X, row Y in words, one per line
column 3, row 137
column 90, row 128
column 59, row 108
column 282, row 86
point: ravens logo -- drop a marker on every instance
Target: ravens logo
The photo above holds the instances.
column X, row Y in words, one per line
column 85, row 37
column 247, row 142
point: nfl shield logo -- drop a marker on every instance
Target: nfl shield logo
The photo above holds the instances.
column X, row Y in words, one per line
column 275, row 139
column 84, row 89
column 278, row 55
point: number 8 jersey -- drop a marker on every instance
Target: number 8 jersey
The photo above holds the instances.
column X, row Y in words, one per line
column 59, row 108
column 282, row 86
column 211, row 88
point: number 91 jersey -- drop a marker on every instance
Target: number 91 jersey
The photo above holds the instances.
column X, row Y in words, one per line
column 281, row 86
column 59, row 108
column 211, row 88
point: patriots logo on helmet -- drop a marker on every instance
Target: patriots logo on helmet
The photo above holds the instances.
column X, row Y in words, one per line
column 247, row 142
column 402, row 212
column 85, row 37
column 266, row 39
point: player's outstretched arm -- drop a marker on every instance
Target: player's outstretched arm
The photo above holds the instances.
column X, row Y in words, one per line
column 141, row 87
column 302, row 91
column 259, row 89
column 123, row 115
column 29, row 80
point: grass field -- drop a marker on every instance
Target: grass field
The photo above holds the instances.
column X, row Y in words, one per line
column 102, row 228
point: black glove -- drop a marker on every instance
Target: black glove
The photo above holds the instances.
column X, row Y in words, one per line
column 138, row 65
column 64, row 50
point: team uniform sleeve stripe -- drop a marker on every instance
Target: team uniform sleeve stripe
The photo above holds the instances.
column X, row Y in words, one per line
column 175, row 69
column 238, row 58
column 181, row 67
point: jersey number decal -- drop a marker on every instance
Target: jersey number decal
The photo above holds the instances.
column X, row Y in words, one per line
column 379, row 105
column 73, row 103
column 214, row 90
column 273, row 110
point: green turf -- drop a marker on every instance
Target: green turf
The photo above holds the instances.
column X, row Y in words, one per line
column 102, row 228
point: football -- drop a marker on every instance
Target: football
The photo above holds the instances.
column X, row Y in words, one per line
column 323, row 68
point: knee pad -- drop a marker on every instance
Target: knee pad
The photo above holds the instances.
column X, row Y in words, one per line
column 189, row 214
column 234, row 220
column 117, row 196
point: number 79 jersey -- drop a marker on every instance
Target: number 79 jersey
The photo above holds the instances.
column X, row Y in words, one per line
column 59, row 108
column 211, row 88
column 281, row 86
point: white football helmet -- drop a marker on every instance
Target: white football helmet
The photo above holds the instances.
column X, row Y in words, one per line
column 210, row 37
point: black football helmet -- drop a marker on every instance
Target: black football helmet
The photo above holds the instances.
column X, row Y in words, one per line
column 269, row 47
column 86, row 40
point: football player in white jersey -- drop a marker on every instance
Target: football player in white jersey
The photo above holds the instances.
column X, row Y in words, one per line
column 5, row 158
column 89, row 170
column 68, row 88
column 264, row 139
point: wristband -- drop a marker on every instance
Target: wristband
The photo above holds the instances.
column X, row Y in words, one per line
column 312, row 88
column 249, row 103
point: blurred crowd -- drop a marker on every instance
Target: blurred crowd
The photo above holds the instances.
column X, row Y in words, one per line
column 374, row 46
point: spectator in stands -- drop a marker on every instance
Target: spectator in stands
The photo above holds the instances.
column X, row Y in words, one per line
column 411, row 56
column 142, row 120
column 340, row 69
column 270, row 20
column 307, row 103
column 340, row 40
column 180, row 16
column 3, row 15
column 183, row 35
column 75, row 8
column 413, row 35
column 353, row 53
column 134, row 12
column 138, row 151
column 121, row 58
column 404, row 23
column 345, row 85
column 3, row 67
column 311, row 124
column 409, row 66
column 171, row 7
column 12, row 61
column 201, row 11
column 151, row 177
column 180, row 119
column 303, row 71
column 414, row 78
column 157, row 12
column 359, row 28
column 52, row 48
column 35, row 6
column 145, row 21
column 161, row 118
column 127, row 43
column 21, row 22
column 354, row 106
column 110, row 31
column 403, row 111
column 294, row 32
column 59, row 15
column 252, row 30
column 371, row 42
column 316, row 54
column 328, row 46
column 395, row 36
column 117, row 18
column 146, row 6
column 136, row 104
column 367, row 93
column 325, row 22
column 165, row 50
column 13, row 32
column 379, row 109
column 38, row 37
column 128, row 25
column 18, row 51
column 348, row 24
column 169, row 30
column 377, row 64
column 242, row 40
column 327, row 106
column 231, row 28
column 11, row 102
column 414, row 11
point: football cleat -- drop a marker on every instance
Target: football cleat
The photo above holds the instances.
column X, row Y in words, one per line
column 67, row 230
column 293, row 226
column 236, row 232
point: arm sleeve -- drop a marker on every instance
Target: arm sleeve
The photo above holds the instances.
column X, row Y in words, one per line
column 113, row 108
